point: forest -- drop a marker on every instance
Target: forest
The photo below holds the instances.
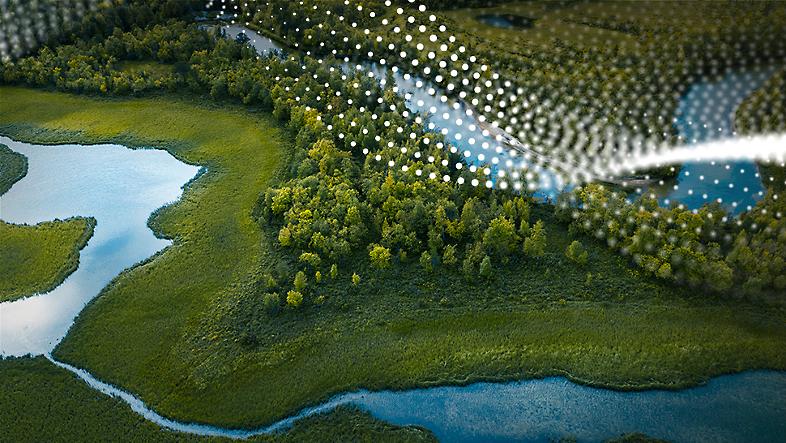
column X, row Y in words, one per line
column 338, row 197
column 333, row 242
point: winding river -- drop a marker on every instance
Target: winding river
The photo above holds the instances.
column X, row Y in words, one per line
column 122, row 187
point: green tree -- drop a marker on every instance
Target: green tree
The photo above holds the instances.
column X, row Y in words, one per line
column 576, row 252
column 449, row 255
column 380, row 256
column 664, row 271
column 294, row 299
column 300, row 281
column 318, row 277
column 425, row 261
column 500, row 237
column 333, row 271
column 355, row 279
column 535, row 244
column 311, row 259
column 485, row 267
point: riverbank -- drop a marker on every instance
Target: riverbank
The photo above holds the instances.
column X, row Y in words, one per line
column 187, row 334
column 13, row 166
column 36, row 259
column 75, row 412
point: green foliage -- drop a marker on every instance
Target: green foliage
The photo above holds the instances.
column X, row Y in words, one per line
column 271, row 302
column 426, row 261
column 300, row 281
column 500, row 238
column 294, row 299
column 318, row 277
column 36, row 259
column 449, row 255
column 310, row 259
column 333, row 271
column 485, row 267
column 535, row 244
column 380, row 256
column 34, row 389
column 13, row 166
column 355, row 279
column 576, row 253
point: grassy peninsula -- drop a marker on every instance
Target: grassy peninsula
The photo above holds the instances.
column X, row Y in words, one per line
column 76, row 412
column 35, row 259
column 13, row 166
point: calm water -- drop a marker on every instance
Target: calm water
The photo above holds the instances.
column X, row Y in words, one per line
column 746, row 407
column 706, row 113
column 120, row 187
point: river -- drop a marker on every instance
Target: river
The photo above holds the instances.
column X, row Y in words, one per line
column 122, row 187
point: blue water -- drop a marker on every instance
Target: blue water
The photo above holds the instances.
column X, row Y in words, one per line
column 121, row 187
column 749, row 407
column 706, row 113
column 118, row 186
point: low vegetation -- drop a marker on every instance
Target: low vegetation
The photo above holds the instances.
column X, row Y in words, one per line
column 76, row 412
column 302, row 267
column 35, row 259
column 13, row 166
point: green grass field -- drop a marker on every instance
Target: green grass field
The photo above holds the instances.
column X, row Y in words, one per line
column 186, row 331
column 13, row 166
column 76, row 412
column 35, row 259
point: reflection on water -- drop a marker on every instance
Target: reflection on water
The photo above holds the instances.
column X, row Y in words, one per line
column 744, row 407
column 705, row 113
column 262, row 44
column 120, row 187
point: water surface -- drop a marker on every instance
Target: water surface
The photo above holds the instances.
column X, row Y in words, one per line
column 118, row 186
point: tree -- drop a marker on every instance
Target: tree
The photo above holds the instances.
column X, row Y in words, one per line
column 718, row 275
column 576, row 253
column 311, row 259
column 664, row 271
column 355, row 279
column 425, row 261
column 333, row 271
column 535, row 244
column 449, row 255
column 318, row 277
column 294, row 299
column 500, row 237
column 485, row 267
column 300, row 281
column 380, row 256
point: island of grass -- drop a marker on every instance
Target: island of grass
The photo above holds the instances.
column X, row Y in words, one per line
column 13, row 166
column 76, row 412
column 189, row 334
column 36, row 259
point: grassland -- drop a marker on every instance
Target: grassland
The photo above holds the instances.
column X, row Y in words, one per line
column 45, row 403
column 35, row 259
column 13, row 166
column 187, row 333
